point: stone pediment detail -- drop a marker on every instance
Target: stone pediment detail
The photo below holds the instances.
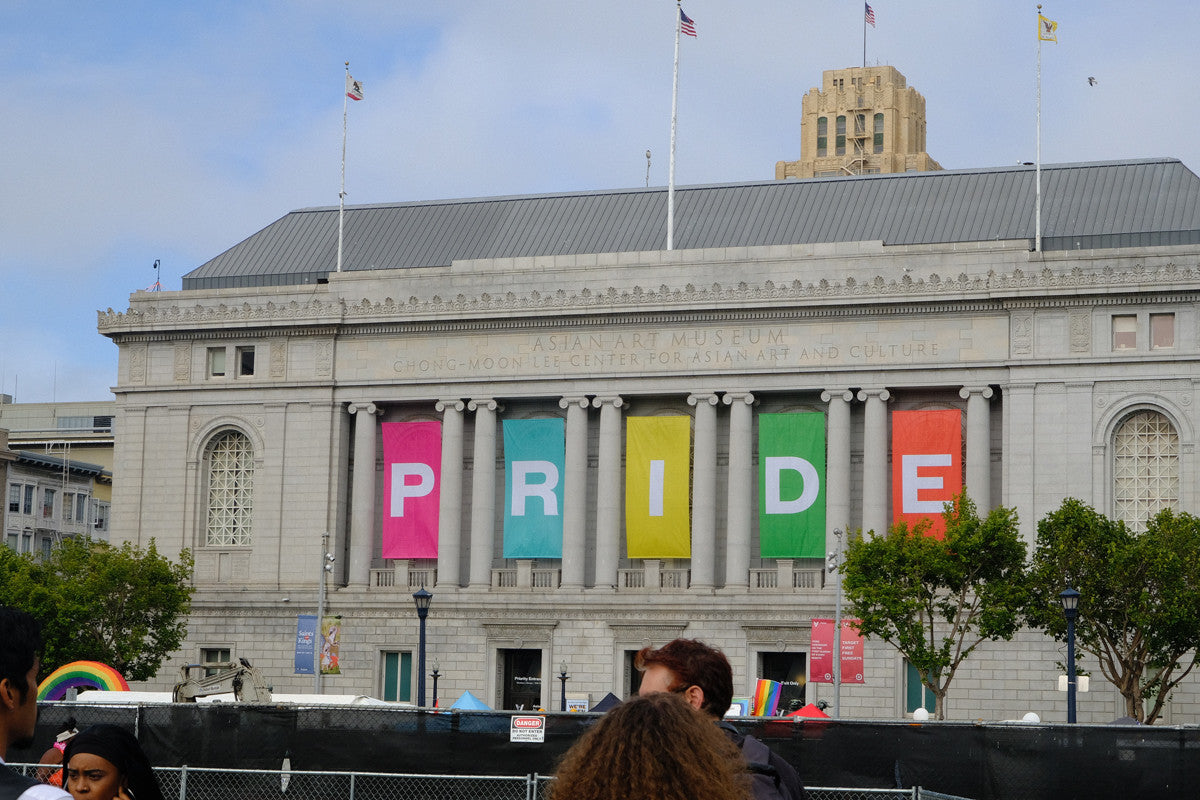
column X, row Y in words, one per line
column 690, row 297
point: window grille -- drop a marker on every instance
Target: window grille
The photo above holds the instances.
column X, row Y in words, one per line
column 230, row 489
column 1145, row 468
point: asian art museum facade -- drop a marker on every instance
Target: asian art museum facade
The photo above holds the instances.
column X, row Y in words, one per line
column 583, row 442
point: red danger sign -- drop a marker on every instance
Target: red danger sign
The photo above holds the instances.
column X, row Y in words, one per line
column 527, row 729
column 529, row 722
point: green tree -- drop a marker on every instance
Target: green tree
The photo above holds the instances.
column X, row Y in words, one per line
column 1139, row 605
column 123, row 606
column 936, row 600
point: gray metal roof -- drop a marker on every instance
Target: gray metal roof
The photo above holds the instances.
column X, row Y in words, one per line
column 1084, row 206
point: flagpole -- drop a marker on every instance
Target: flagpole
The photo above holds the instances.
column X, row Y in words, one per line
column 864, row 37
column 1037, row 213
column 674, row 109
column 342, row 193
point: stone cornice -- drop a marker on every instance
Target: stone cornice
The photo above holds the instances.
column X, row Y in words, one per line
column 742, row 301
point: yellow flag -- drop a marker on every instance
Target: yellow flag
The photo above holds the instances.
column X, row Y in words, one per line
column 658, row 487
column 1047, row 29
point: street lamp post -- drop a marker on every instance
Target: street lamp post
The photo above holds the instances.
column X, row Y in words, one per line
column 435, row 675
column 422, row 598
column 1070, row 604
column 562, row 676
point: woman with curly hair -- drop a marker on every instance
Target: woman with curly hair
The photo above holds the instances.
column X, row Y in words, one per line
column 653, row 748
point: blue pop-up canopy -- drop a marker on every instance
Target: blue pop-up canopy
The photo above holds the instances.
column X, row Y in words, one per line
column 469, row 702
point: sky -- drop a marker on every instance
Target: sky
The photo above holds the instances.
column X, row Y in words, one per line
column 137, row 132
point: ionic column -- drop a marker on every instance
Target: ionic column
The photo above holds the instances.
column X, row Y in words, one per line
column 875, row 458
column 979, row 445
column 574, row 493
column 483, row 492
column 450, row 502
column 362, row 512
column 704, row 490
column 740, row 490
column 837, row 462
column 608, row 491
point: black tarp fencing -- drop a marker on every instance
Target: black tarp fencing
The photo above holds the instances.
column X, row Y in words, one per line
column 986, row 761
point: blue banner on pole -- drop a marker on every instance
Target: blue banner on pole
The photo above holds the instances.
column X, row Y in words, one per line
column 306, row 643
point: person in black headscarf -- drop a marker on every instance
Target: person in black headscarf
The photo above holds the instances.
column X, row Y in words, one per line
column 105, row 762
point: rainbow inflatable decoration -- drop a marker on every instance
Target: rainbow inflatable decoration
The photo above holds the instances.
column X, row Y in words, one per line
column 92, row 674
column 766, row 698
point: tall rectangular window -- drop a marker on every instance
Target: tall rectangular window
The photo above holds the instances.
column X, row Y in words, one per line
column 100, row 515
column 14, row 498
column 27, row 500
column 878, row 141
column 822, row 137
column 1124, row 332
column 216, row 362
column 245, row 362
column 48, row 497
column 397, row 677
column 1162, row 331
column 916, row 694
column 840, row 141
column 68, row 507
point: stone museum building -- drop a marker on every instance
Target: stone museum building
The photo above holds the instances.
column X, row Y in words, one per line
column 582, row 441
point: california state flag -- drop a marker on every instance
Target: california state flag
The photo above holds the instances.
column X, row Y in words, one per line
column 354, row 89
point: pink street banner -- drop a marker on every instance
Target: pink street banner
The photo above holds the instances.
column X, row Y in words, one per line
column 412, row 486
column 820, row 652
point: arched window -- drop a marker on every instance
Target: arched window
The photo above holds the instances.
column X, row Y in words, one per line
column 1145, row 467
column 230, row 490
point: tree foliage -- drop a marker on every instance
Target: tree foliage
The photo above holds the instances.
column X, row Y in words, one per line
column 1139, row 604
column 936, row 600
column 122, row 606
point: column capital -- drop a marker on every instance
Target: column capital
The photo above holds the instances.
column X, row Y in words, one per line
column 367, row 407
column 443, row 406
column 966, row 391
column 882, row 394
column 738, row 396
column 485, row 403
column 844, row 394
column 616, row 401
column 573, row 400
column 702, row 397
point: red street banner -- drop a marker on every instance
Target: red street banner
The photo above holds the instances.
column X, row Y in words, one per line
column 927, row 468
column 820, row 652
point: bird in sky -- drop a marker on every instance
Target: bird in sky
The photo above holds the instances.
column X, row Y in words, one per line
column 1092, row 81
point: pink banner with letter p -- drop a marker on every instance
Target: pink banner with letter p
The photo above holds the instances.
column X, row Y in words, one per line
column 412, row 488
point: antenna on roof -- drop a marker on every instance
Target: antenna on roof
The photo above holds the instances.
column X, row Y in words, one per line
column 647, row 169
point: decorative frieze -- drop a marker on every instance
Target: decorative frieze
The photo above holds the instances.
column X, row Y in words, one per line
column 150, row 315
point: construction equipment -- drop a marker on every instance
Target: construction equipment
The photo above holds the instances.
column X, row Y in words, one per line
column 244, row 681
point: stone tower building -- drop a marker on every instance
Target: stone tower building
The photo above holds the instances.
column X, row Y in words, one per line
column 863, row 121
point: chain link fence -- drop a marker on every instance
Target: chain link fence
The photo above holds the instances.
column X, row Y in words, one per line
column 207, row 783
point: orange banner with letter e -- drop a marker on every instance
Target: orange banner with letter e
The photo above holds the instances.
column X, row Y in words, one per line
column 927, row 469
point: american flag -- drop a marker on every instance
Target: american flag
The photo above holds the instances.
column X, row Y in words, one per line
column 686, row 25
column 870, row 15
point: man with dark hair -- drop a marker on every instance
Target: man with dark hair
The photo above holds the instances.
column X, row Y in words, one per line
column 20, row 648
column 702, row 675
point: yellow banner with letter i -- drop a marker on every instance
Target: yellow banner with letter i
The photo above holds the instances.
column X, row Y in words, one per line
column 658, row 487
